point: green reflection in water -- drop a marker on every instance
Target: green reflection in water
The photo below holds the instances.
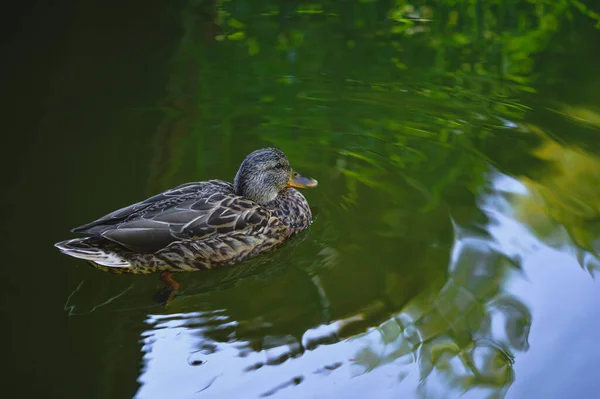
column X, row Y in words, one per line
column 401, row 111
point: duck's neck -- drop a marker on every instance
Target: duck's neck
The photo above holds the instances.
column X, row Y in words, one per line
column 291, row 208
column 254, row 190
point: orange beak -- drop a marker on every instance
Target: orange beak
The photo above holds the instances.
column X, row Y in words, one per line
column 301, row 181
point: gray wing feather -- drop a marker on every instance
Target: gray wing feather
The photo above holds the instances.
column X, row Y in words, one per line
column 156, row 204
column 193, row 211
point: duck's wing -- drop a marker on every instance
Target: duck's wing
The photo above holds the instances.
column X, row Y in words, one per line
column 185, row 212
column 160, row 201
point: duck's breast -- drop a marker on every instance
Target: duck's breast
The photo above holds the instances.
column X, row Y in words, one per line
column 292, row 209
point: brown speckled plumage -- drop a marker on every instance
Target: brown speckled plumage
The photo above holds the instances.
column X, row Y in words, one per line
column 201, row 225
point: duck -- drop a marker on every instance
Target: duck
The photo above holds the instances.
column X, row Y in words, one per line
column 200, row 225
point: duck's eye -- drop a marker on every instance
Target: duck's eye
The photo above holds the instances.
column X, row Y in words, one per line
column 279, row 166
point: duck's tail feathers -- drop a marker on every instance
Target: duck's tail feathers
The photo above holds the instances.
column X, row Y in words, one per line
column 83, row 248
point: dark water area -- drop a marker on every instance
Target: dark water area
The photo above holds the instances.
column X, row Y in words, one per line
column 455, row 246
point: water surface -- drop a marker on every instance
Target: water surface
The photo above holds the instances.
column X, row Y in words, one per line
column 455, row 243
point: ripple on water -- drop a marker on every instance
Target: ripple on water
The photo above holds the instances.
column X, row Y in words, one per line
column 466, row 337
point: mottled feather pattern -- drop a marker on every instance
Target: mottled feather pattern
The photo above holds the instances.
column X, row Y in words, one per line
column 195, row 226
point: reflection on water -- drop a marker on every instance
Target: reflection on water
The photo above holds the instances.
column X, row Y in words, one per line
column 562, row 207
column 464, row 338
column 457, row 199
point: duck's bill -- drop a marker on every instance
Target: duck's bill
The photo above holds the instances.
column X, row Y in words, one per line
column 302, row 182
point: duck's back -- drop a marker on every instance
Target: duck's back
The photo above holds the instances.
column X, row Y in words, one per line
column 156, row 204
column 189, row 211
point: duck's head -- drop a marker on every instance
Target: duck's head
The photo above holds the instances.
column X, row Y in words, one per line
column 265, row 173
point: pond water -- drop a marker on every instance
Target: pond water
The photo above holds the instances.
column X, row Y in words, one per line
column 456, row 240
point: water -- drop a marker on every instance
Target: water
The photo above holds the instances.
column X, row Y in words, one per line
column 455, row 244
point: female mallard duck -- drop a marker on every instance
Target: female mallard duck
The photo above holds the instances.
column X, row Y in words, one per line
column 201, row 225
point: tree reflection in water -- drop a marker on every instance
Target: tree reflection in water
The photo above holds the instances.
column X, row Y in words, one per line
column 406, row 284
column 466, row 336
